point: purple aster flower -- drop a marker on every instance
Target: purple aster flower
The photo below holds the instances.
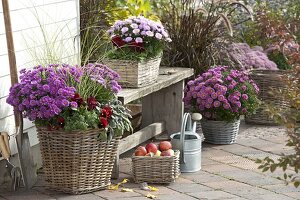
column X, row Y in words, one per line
column 128, row 39
column 124, row 29
column 139, row 40
column 158, row 36
column 134, row 26
column 244, row 87
column 149, row 33
column 217, row 104
column 136, row 31
column 245, row 96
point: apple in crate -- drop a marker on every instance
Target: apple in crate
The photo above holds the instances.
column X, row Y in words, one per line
column 169, row 152
column 151, row 147
column 165, row 145
column 158, row 153
column 140, row 151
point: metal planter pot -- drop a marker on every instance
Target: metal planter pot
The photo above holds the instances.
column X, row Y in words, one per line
column 220, row 132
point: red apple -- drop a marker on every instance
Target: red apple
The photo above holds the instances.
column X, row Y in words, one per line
column 165, row 145
column 169, row 152
column 151, row 147
column 140, row 151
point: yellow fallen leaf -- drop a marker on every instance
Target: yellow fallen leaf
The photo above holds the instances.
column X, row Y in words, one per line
column 126, row 190
column 153, row 188
column 125, row 180
column 150, row 196
column 116, row 187
column 113, row 187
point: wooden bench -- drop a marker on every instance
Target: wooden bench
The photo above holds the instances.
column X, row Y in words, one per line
column 162, row 108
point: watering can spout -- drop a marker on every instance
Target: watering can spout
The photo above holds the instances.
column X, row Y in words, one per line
column 196, row 117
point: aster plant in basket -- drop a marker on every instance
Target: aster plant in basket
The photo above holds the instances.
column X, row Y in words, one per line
column 71, row 98
column 137, row 38
column 222, row 94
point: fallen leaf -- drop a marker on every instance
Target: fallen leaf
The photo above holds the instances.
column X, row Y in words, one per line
column 151, row 196
column 153, row 188
column 126, row 190
column 113, row 187
column 125, row 180
column 116, row 187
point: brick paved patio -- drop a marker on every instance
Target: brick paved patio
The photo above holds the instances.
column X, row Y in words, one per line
column 228, row 172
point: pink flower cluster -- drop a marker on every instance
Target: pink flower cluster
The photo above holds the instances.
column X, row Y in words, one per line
column 248, row 58
column 221, row 93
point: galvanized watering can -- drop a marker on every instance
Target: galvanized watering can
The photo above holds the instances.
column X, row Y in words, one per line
column 189, row 144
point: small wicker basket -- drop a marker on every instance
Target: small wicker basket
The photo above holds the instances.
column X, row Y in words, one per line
column 160, row 169
column 76, row 162
column 267, row 80
column 135, row 74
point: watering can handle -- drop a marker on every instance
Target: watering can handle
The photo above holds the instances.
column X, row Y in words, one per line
column 186, row 123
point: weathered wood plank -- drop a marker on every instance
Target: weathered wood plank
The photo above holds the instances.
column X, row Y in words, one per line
column 164, row 105
column 164, row 80
column 141, row 136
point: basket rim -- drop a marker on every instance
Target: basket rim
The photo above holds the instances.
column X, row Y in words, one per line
column 159, row 56
column 220, row 121
column 43, row 128
column 176, row 155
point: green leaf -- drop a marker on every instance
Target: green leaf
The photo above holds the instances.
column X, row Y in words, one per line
column 296, row 184
column 285, row 176
column 265, row 169
column 273, row 167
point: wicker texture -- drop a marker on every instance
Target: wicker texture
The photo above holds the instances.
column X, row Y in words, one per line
column 76, row 162
column 267, row 80
column 220, row 132
column 135, row 74
column 161, row 169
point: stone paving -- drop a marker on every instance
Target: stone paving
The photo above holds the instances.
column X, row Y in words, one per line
column 228, row 172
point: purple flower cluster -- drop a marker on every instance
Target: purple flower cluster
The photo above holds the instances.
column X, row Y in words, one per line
column 103, row 75
column 221, row 90
column 45, row 92
column 248, row 58
column 139, row 30
column 41, row 93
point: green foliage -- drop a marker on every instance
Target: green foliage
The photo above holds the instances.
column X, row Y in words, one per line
column 276, row 29
column 279, row 58
column 82, row 119
column 290, row 118
column 126, row 53
column 120, row 120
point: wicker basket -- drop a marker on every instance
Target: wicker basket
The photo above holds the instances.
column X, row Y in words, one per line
column 220, row 132
column 76, row 162
column 135, row 74
column 267, row 80
column 161, row 169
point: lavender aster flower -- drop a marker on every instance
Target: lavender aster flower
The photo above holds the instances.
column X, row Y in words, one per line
column 222, row 92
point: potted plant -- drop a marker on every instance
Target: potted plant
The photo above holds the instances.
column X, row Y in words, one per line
column 79, row 122
column 138, row 45
column 269, row 30
column 221, row 95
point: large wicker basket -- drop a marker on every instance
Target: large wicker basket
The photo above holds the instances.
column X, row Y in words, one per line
column 76, row 162
column 161, row 169
column 135, row 74
column 267, row 80
column 220, row 132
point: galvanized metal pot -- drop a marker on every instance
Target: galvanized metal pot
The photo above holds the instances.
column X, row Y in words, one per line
column 220, row 132
column 189, row 144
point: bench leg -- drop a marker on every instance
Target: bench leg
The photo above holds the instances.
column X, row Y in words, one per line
column 164, row 105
